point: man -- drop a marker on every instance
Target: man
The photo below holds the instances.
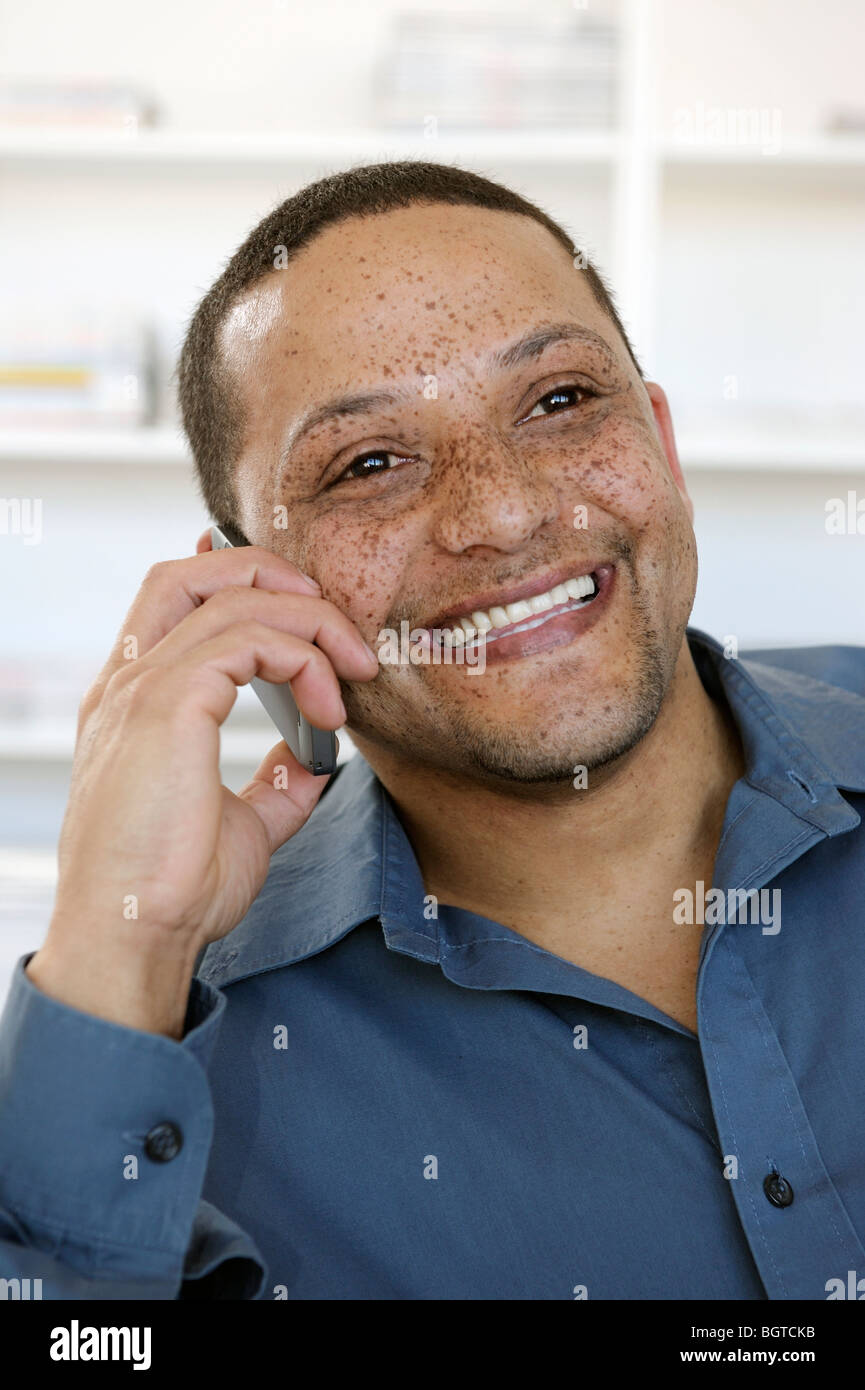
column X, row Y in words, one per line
column 558, row 992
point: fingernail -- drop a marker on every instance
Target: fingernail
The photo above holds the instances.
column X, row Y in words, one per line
column 344, row 711
column 371, row 652
column 309, row 579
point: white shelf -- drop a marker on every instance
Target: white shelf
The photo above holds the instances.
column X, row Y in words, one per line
column 53, row 740
column 268, row 148
column 767, row 453
column 82, row 446
column 799, row 154
column 165, row 146
column 698, row 449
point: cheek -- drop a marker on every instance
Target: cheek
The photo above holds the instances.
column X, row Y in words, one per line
column 622, row 472
column 360, row 567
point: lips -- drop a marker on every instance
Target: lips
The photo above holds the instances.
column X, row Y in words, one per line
column 501, row 598
column 558, row 627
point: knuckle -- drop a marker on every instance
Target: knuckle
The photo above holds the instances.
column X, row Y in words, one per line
column 89, row 701
column 253, row 630
column 134, row 683
column 156, row 573
column 231, row 598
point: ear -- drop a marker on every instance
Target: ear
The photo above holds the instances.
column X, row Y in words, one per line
column 664, row 423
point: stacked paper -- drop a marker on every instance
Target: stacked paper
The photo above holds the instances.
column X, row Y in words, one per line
column 82, row 103
column 500, row 70
column 85, row 369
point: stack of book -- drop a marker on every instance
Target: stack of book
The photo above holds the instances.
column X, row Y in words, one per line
column 505, row 71
column 85, row 369
column 81, row 103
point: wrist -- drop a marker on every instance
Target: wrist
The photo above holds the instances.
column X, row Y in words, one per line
column 131, row 979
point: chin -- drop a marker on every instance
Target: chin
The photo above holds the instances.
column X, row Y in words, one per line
column 546, row 749
column 532, row 737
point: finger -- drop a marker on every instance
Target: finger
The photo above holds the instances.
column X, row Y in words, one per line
column 313, row 620
column 206, row 678
column 282, row 794
column 172, row 589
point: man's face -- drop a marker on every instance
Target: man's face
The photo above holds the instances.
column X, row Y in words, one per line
column 469, row 486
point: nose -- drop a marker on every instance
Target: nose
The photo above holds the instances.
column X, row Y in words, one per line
column 487, row 496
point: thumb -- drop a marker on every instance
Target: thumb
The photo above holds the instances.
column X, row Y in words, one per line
column 282, row 794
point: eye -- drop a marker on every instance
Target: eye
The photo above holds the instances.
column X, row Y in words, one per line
column 561, row 394
column 366, row 465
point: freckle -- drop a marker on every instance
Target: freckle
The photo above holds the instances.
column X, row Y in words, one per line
column 380, row 296
column 430, row 305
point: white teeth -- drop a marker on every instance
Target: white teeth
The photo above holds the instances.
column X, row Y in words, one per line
column 541, row 602
column 486, row 621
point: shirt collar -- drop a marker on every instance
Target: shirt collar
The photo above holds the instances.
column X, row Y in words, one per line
column 352, row 862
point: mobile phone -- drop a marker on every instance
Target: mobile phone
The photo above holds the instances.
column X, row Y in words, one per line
column 315, row 749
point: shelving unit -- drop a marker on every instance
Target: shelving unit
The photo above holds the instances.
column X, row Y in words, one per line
column 639, row 166
column 155, row 147
column 53, row 741
column 798, row 156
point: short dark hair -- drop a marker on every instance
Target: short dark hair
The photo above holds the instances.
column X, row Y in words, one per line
column 210, row 405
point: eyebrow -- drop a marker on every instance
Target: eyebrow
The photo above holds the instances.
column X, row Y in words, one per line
column 532, row 344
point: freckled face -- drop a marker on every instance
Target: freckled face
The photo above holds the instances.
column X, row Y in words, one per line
column 468, row 482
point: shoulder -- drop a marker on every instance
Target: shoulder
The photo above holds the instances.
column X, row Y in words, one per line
column 839, row 666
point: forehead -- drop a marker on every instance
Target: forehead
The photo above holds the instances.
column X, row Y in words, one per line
column 405, row 291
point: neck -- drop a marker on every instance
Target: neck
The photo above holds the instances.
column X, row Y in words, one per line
column 528, row 855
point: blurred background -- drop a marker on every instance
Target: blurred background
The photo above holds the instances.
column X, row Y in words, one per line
column 709, row 156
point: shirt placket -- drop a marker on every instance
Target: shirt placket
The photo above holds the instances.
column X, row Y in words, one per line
column 797, row 1227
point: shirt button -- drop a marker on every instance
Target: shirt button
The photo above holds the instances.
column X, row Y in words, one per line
column 778, row 1190
column 163, row 1143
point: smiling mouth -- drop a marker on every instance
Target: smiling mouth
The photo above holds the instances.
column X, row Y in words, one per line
column 490, row 625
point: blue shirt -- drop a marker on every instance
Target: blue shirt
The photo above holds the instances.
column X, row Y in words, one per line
column 372, row 1102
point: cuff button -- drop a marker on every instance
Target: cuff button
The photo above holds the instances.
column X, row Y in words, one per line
column 164, row 1142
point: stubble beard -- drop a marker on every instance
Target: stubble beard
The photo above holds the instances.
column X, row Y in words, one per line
column 519, row 754
column 522, row 753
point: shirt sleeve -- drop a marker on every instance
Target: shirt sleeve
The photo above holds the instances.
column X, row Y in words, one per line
column 105, row 1135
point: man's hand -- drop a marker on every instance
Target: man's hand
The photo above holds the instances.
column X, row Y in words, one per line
column 156, row 856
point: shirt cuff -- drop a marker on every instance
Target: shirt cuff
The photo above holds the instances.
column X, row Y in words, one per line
column 106, row 1131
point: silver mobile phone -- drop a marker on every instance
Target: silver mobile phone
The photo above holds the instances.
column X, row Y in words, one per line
column 315, row 749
